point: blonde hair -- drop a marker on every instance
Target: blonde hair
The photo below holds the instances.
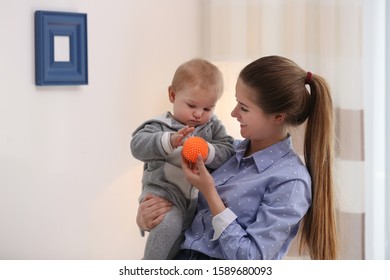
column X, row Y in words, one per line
column 200, row 72
column 280, row 85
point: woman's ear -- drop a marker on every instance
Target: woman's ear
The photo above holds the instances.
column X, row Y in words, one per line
column 279, row 117
column 171, row 94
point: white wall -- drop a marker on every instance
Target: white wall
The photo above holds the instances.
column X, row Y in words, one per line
column 375, row 128
column 68, row 183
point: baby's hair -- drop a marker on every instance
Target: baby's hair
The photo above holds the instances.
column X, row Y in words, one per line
column 199, row 72
column 280, row 85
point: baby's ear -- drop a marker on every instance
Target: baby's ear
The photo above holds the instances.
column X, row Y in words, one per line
column 171, row 94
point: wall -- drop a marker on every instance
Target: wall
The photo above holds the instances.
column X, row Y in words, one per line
column 68, row 183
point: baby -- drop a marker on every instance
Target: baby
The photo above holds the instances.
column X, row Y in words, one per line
column 196, row 87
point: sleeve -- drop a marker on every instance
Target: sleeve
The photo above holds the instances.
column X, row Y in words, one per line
column 274, row 227
column 150, row 142
column 220, row 146
column 221, row 221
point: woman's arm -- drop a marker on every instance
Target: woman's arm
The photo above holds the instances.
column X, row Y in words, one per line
column 204, row 182
column 151, row 211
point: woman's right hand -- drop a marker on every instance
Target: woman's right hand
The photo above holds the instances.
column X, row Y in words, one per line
column 151, row 211
column 200, row 177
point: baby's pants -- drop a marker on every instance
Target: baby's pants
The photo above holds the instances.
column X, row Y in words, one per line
column 165, row 236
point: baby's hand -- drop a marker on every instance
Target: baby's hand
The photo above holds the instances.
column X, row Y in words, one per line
column 177, row 139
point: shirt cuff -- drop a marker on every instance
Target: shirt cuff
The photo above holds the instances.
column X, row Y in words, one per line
column 221, row 221
column 166, row 142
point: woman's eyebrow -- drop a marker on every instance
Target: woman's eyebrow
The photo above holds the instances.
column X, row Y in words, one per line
column 242, row 103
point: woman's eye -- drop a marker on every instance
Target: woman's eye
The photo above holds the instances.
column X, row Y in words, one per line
column 244, row 109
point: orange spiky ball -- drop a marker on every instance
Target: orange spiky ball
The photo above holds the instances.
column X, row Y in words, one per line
column 194, row 146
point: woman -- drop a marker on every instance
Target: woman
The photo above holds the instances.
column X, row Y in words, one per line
column 253, row 206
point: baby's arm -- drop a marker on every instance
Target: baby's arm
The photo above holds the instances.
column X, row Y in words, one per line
column 146, row 143
column 220, row 146
column 152, row 143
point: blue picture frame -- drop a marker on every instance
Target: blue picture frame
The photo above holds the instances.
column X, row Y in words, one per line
column 49, row 71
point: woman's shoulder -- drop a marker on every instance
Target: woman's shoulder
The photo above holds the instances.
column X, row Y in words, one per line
column 293, row 165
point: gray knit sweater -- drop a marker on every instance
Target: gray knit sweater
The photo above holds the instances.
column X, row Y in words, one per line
column 162, row 174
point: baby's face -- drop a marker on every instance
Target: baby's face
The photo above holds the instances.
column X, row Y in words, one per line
column 193, row 105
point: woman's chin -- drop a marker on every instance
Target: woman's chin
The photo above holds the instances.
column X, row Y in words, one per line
column 242, row 132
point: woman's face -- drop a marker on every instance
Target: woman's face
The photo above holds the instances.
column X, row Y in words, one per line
column 257, row 126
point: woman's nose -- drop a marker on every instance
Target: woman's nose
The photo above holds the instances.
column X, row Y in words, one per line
column 233, row 113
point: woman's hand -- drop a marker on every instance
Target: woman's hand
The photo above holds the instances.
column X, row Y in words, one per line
column 151, row 211
column 198, row 176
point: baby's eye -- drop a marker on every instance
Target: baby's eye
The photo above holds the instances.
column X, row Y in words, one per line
column 191, row 106
column 207, row 109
